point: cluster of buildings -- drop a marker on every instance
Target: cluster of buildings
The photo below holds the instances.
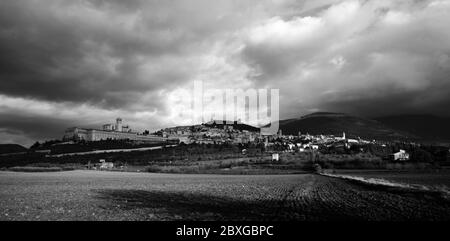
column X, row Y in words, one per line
column 219, row 132
column 116, row 131
column 304, row 143
column 313, row 142
column 213, row 132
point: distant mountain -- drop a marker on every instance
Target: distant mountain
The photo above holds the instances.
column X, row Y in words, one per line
column 11, row 148
column 428, row 127
column 337, row 123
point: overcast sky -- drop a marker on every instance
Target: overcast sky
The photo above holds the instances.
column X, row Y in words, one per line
column 86, row 62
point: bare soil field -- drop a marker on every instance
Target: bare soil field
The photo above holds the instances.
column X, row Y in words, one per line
column 97, row 195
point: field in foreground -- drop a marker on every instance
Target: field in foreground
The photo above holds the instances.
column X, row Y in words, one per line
column 96, row 195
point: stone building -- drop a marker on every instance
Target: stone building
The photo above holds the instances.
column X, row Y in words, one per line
column 110, row 131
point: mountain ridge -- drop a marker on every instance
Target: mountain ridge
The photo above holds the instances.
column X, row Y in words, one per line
column 330, row 123
column 427, row 126
column 394, row 127
column 12, row 148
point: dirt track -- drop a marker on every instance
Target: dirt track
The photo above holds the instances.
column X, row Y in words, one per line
column 92, row 195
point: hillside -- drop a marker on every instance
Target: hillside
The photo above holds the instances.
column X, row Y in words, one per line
column 337, row 123
column 236, row 126
column 428, row 127
column 11, row 148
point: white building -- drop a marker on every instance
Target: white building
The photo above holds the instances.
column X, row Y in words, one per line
column 275, row 157
column 105, row 165
column 109, row 131
column 402, row 155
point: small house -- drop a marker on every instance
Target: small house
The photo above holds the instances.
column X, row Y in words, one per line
column 402, row 155
column 275, row 157
column 107, row 165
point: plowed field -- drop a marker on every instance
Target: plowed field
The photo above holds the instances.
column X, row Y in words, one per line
column 96, row 195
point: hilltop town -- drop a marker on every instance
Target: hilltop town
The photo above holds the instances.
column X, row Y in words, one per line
column 215, row 132
column 186, row 148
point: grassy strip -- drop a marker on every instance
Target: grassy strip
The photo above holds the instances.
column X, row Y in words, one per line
column 385, row 185
column 40, row 169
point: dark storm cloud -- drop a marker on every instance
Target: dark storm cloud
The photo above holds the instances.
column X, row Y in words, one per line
column 362, row 57
column 76, row 52
column 83, row 63
column 88, row 51
column 120, row 56
column 34, row 127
